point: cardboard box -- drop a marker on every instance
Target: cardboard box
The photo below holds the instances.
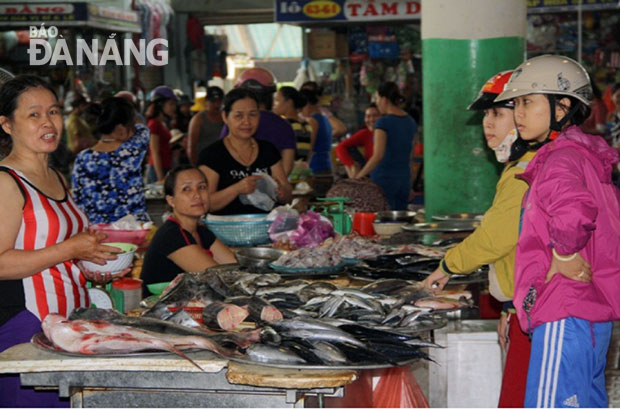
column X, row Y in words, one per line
column 322, row 44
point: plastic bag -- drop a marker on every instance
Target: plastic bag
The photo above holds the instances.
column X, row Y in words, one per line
column 129, row 222
column 264, row 196
column 312, row 230
column 397, row 388
column 285, row 222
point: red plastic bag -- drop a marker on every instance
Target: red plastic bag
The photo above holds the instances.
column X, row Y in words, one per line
column 397, row 388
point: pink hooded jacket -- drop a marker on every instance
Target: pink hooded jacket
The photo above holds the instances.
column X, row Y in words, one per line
column 571, row 206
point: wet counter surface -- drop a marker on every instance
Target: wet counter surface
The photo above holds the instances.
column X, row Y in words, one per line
column 166, row 380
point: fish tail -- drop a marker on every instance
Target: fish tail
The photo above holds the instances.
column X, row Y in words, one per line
column 184, row 356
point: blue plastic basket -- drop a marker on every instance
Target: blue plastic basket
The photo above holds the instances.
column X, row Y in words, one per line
column 241, row 233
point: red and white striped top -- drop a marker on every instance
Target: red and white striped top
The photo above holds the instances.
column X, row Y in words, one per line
column 45, row 222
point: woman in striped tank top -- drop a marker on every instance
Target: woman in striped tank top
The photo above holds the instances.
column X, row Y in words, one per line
column 43, row 233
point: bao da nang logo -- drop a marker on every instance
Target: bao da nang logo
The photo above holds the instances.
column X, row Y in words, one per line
column 42, row 52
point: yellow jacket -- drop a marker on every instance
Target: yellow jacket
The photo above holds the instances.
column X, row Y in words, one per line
column 495, row 240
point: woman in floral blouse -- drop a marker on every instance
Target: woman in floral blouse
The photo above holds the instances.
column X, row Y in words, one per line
column 107, row 178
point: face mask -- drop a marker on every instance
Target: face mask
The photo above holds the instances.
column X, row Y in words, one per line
column 502, row 151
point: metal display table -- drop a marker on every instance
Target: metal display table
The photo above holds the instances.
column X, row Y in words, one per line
column 165, row 380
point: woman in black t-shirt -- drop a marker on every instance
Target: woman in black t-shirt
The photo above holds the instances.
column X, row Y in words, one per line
column 232, row 163
column 183, row 243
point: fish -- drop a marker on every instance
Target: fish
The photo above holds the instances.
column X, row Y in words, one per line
column 332, row 336
column 439, row 303
column 316, row 289
column 385, row 286
column 292, row 287
column 272, row 354
column 181, row 317
column 100, row 337
column 399, row 352
column 412, row 293
column 328, row 353
column 241, row 339
column 330, row 306
column 259, row 309
column 224, row 316
column 180, row 291
column 217, row 283
column 303, row 350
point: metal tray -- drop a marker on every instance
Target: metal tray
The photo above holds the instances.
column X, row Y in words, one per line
column 247, row 361
column 459, row 216
column 442, row 226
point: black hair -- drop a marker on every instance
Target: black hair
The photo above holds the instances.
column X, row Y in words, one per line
column 615, row 88
column 290, row 93
column 596, row 91
column 390, row 91
column 11, row 91
column 170, row 182
column 372, row 105
column 112, row 112
column 156, row 108
column 577, row 112
column 310, row 96
column 238, row 94
column 312, row 86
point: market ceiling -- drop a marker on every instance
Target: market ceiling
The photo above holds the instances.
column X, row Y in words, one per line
column 213, row 12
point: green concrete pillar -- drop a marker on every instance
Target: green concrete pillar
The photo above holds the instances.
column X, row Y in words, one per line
column 463, row 44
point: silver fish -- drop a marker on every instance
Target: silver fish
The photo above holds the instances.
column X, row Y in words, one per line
column 337, row 336
column 272, row 354
column 331, row 306
column 328, row 353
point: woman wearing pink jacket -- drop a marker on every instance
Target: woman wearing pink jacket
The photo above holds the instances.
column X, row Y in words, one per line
column 567, row 272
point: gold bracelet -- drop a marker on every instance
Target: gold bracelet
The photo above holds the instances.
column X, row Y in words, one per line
column 563, row 258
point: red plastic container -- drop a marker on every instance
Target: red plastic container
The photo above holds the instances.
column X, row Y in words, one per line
column 362, row 223
column 136, row 237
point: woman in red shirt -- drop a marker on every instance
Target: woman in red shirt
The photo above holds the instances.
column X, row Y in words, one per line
column 162, row 109
column 363, row 137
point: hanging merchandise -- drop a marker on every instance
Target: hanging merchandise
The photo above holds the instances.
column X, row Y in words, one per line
column 155, row 16
column 194, row 32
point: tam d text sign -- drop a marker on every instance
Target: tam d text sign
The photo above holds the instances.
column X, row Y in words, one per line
column 308, row 11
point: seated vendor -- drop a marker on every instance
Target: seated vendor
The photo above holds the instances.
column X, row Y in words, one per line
column 183, row 243
column 234, row 165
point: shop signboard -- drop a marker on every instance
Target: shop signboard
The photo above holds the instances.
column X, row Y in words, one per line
column 550, row 6
column 343, row 11
column 25, row 13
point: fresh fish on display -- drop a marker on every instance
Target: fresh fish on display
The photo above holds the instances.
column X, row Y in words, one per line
column 328, row 353
column 181, row 317
column 242, row 339
column 292, row 287
column 259, row 310
column 439, row 303
column 100, row 337
column 224, row 316
column 272, row 354
column 385, row 286
column 309, row 257
column 428, row 251
column 316, row 289
column 304, row 350
column 330, row 307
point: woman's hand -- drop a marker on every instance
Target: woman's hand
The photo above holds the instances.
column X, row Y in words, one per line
column 502, row 331
column 576, row 269
column 248, row 185
column 87, row 246
column 436, row 281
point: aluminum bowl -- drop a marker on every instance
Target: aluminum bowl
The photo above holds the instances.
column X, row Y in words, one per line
column 396, row 215
column 258, row 257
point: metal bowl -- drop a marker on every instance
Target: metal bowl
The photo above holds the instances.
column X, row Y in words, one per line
column 459, row 216
column 258, row 256
column 396, row 215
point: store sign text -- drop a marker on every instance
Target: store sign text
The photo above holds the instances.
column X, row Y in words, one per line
column 21, row 9
column 155, row 51
column 363, row 10
column 346, row 10
column 321, row 9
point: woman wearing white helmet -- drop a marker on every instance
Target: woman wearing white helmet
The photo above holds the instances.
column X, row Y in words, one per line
column 495, row 241
column 567, row 271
